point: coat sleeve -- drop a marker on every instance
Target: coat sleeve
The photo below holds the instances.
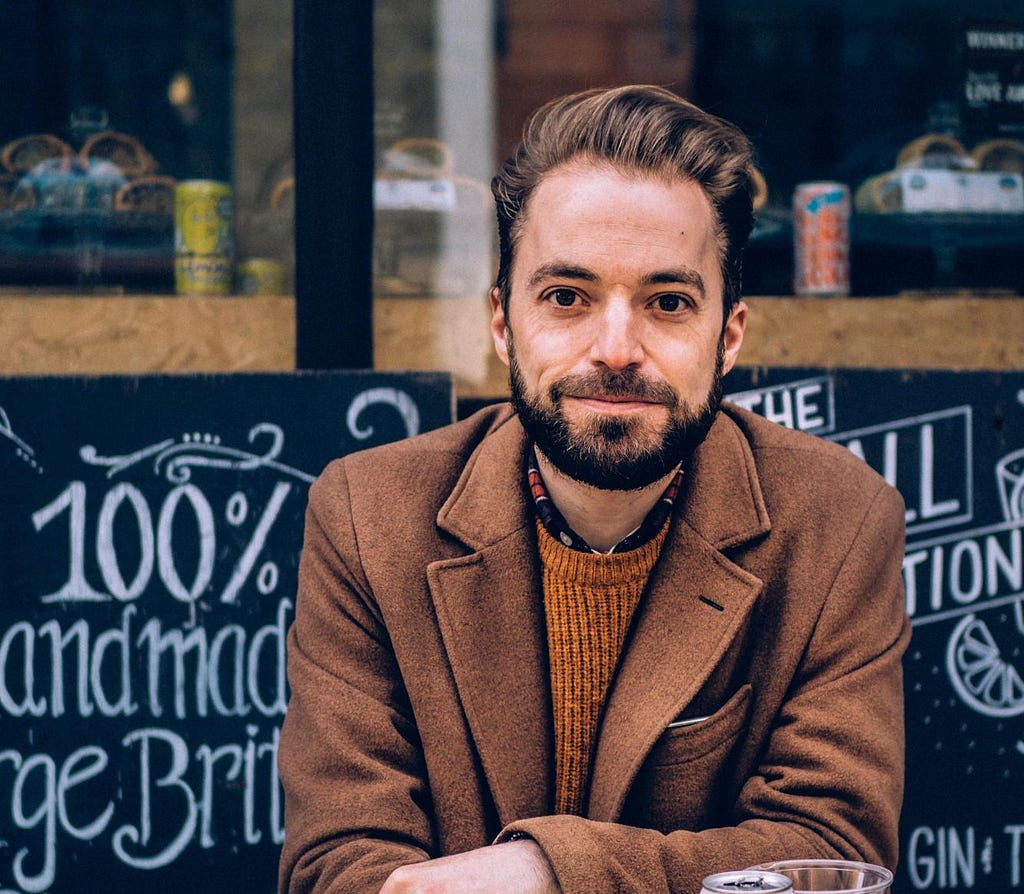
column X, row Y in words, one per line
column 349, row 757
column 829, row 783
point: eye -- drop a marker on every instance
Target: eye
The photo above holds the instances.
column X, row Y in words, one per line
column 669, row 303
column 563, row 297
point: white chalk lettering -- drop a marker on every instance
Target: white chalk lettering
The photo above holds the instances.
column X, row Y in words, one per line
column 76, row 588
column 945, row 576
column 1015, row 832
column 185, row 807
column 106, row 548
column 28, row 705
column 119, row 638
column 45, row 813
column 157, row 549
column 207, row 543
column 53, row 790
column 79, row 633
column 942, row 857
column 928, row 458
column 226, row 672
column 181, row 802
column 807, row 405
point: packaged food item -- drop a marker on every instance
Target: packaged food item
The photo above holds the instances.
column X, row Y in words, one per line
column 149, row 195
column 120, row 149
column 25, row 154
column 1004, row 155
column 935, row 151
column 936, row 173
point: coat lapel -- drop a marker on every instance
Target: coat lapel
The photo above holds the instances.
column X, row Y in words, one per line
column 490, row 612
column 696, row 603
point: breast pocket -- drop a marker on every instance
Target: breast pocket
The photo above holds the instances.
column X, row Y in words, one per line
column 685, row 782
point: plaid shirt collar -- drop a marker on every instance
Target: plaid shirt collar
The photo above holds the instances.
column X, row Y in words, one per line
column 558, row 527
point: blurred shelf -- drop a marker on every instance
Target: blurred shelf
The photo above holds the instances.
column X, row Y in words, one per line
column 896, row 252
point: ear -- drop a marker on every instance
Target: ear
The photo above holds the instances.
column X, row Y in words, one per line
column 732, row 335
column 499, row 326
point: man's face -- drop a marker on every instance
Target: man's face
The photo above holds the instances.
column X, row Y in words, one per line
column 614, row 332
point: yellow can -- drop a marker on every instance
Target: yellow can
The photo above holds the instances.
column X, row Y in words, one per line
column 260, row 276
column 204, row 242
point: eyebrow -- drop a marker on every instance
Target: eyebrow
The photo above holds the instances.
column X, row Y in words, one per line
column 559, row 270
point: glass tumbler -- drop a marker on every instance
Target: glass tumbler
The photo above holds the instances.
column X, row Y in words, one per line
column 837, row 876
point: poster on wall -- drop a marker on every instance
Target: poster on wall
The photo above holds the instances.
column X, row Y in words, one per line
column 150, row 529
column 953, row 444
column 992, row 79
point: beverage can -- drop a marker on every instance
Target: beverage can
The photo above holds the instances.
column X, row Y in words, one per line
column 744, row 880
column 203, row 237
column 260, row 276
column 821, row 239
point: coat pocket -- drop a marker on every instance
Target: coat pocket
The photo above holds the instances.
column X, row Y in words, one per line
column 686, row 782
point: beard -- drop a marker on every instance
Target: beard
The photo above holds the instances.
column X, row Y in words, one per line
column 615, row 452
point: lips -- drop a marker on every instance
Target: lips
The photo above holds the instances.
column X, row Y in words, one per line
column 616, row 400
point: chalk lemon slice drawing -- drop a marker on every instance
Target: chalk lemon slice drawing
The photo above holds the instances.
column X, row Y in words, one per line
column 982, row 678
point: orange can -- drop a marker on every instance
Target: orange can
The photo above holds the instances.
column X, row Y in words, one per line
column 821, row 239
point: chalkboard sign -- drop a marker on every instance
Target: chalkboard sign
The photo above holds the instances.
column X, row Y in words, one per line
column 149, row 535
column 150, row 529
column 953, row 443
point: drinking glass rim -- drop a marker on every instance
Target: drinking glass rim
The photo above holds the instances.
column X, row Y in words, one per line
column 885, row 875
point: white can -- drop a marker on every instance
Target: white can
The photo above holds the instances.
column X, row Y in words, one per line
column 745, row 880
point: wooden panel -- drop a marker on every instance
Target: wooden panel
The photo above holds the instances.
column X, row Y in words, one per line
column 138, row 334
column 926, row 331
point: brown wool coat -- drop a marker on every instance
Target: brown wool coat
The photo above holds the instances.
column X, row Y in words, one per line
column 420, row 719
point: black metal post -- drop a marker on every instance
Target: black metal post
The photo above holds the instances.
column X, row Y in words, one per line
column 334, row 165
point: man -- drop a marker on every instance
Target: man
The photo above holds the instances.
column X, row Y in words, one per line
column 614, row 639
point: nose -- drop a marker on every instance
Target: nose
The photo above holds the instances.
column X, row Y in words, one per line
column 616, row 341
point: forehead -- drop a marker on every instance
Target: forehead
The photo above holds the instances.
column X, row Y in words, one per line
column 591, row 210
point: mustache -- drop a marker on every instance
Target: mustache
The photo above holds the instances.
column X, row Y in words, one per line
column 627, row 385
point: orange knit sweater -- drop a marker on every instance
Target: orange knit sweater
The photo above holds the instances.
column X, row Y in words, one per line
column 589, row 600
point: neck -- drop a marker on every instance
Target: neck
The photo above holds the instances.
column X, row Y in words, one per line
column 601, row 517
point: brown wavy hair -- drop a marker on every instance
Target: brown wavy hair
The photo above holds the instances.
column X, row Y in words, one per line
column 638, row 129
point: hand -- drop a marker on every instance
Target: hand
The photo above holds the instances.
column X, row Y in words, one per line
column 515, row 867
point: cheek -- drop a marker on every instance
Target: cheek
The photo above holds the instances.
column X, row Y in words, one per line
column 689, row 369
column 545, row 354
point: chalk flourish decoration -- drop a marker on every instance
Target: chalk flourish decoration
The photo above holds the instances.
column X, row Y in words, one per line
column 176, row 459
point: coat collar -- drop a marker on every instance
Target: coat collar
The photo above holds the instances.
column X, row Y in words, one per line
column 491, row 616
column 721, row 498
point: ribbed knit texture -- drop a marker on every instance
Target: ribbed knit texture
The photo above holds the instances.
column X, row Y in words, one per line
column 589, row 600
